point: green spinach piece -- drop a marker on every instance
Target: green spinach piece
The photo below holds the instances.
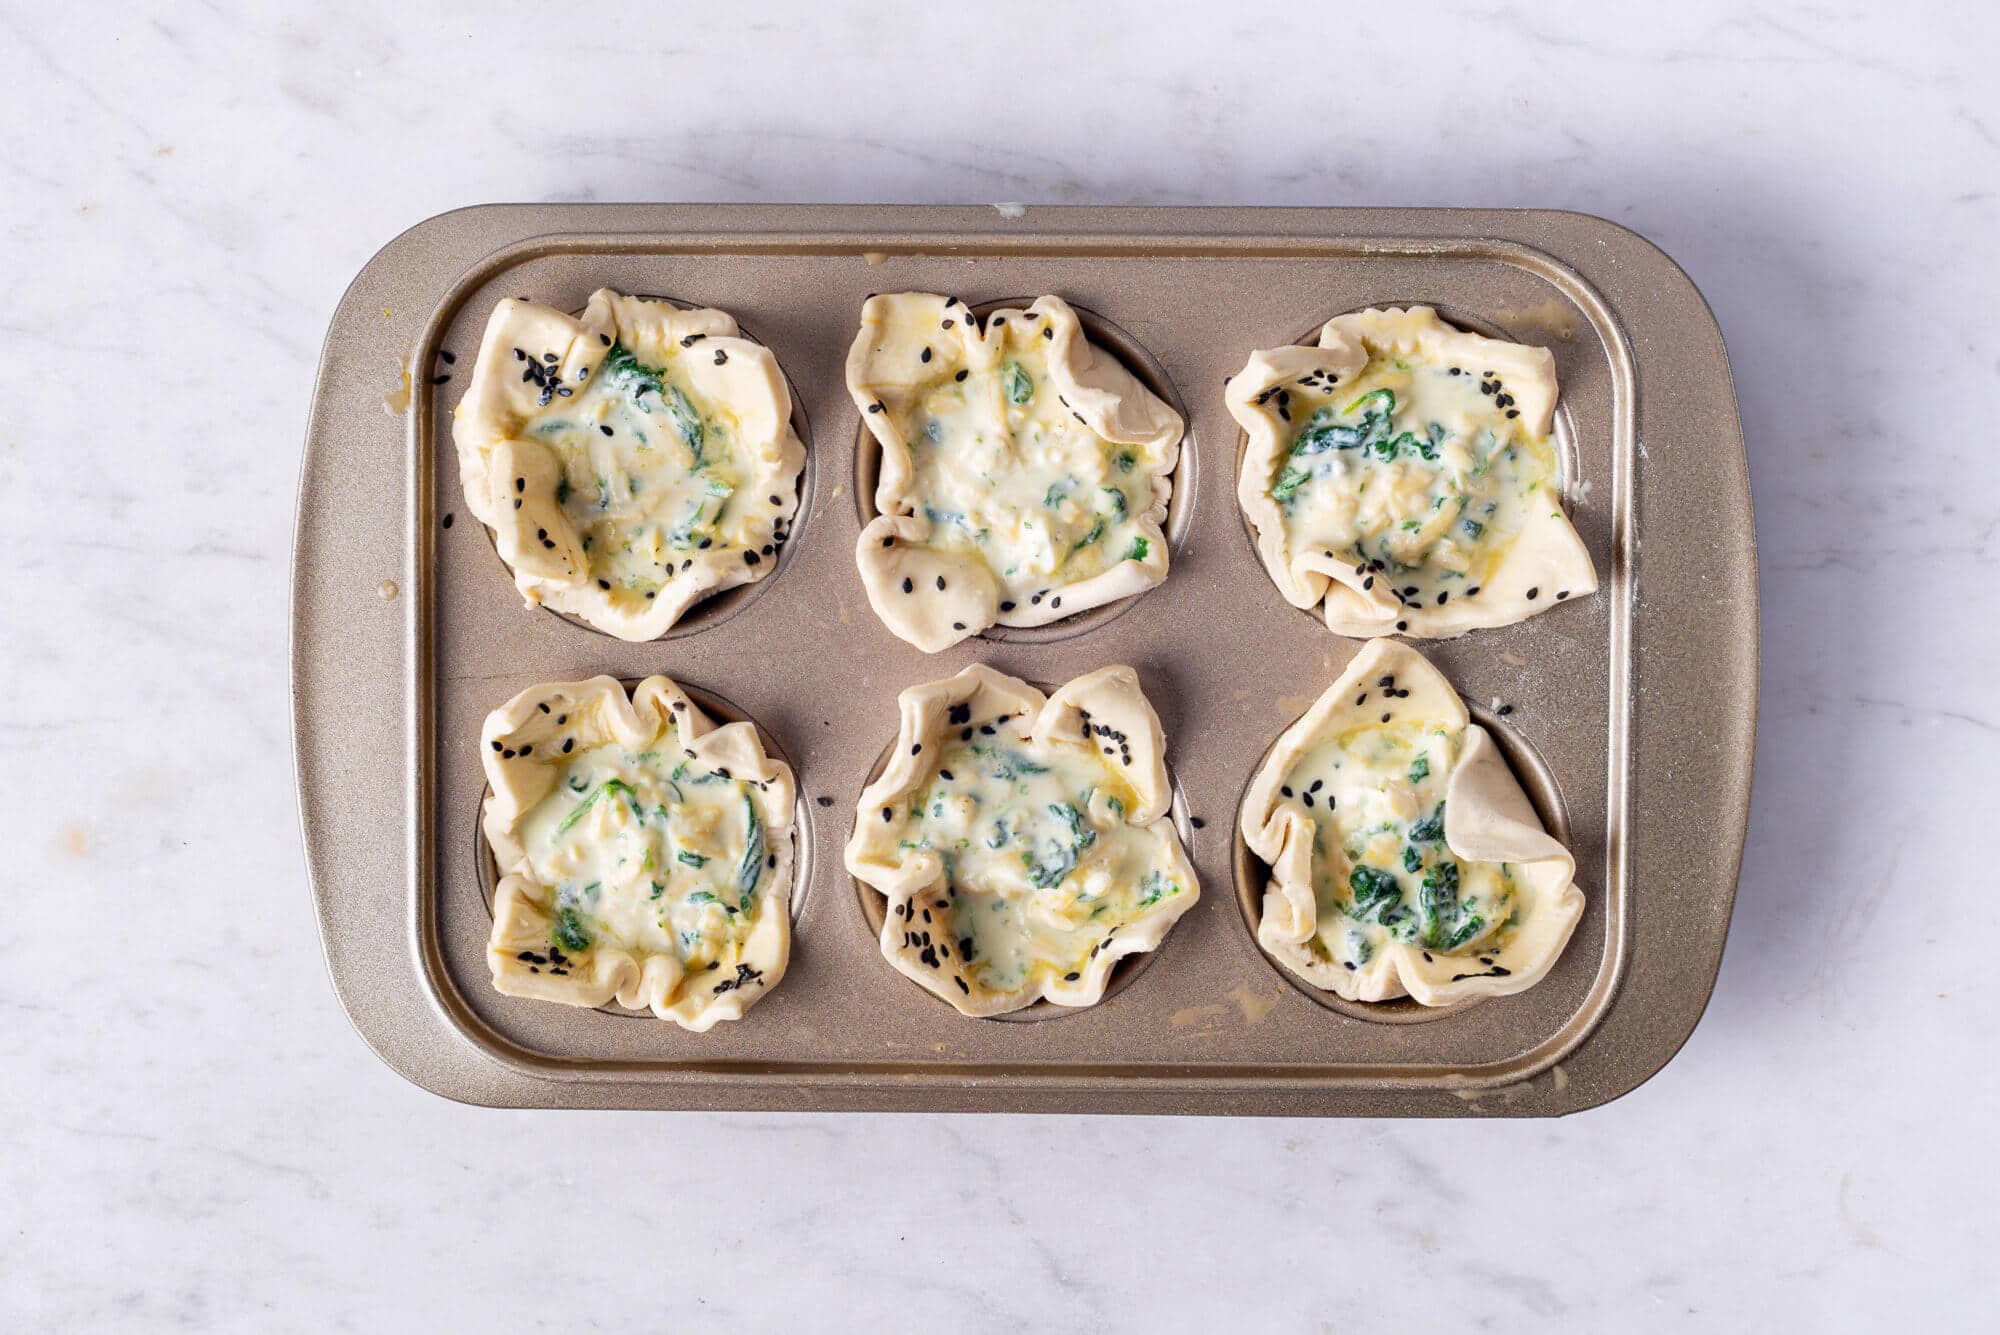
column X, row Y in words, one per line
column 1430, row 829
column 614, row 787
column 567, row 930
column 1019, row 385
column 754, row 850
column 1374, row 889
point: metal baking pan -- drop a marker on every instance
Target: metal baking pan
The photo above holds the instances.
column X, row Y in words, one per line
column 1631, row 724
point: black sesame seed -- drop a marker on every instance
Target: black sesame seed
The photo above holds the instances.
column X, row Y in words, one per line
column 874, row 407
column 1048, row 333
column 1402, row 625
column 926, row 355
column 1505, row 710
column 1007, row 606
column 720, row 356
column 1056, row 601
column 751, row 558
column 886, row 813
column 1442, row 598
column 909, row 585
column 447, row 521
column 605, row 339
column 1197, row 822
column 1534, row 593
column 605, row 428
column 496, row 745
column 824, row 801
column 940, row 583
column 568, row 743
column 603, row 583
column 1561, row 594
column 1286, row 790
column 441, row 377
column 520, row 484
column 961, row 375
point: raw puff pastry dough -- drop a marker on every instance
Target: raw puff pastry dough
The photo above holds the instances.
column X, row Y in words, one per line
column 720, row 946
column 1426, row 571
column 1308, row 923
column 1063, row 467
column 1047, row 855
column 540, row 471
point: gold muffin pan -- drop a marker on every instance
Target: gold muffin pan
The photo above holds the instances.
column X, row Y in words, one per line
column 1630, row 723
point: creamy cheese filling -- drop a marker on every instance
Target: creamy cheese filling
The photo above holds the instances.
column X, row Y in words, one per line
column 1040, row 864
column 1005, row 470
column 1381, row 869
column 650, row 471
column 1420, row 472
column 651, row 852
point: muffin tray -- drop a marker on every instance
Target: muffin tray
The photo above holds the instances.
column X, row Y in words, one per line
column 1629, row 716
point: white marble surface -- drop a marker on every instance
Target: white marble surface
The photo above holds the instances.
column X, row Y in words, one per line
column 193, row 1134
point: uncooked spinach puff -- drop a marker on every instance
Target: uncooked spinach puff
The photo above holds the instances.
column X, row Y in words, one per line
column 1404, row 856
column 1402, row 471
column 1022, row 841
column 645, row 853
column 1025, row 473
column 630, row 462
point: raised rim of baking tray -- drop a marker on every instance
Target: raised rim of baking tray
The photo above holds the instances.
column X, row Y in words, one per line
column 1687, row 663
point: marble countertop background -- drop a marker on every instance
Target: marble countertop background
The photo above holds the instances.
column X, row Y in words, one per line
column 194, row 1135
